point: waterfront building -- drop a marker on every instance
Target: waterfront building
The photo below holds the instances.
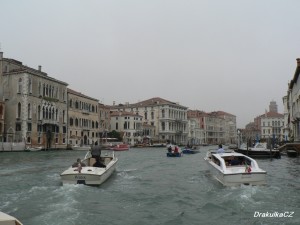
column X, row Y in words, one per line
column 230, row 129
column 293, row 106
column 128, row 124
column 286, row 128
column 104, row 120
column 266, row 126
column 197, row 132
column 2, row 110
column 168, row 118
column 271, row 126
column 35, row 105
column 215, row 127
column 83, row 122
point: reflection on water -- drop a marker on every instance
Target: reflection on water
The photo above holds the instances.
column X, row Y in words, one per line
column 147, row 188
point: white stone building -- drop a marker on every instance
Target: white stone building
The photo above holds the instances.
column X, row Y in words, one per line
column 35, row 105
column 168, row 118
column 83, row 126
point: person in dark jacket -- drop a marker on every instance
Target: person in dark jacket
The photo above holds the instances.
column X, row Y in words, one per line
column 98, row 163
column 96, row 151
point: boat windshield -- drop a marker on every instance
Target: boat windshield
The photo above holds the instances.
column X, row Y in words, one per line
column 234, row 160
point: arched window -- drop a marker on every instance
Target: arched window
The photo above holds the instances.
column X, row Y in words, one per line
column 163, row 113
column 71, row 121
column 76, row 122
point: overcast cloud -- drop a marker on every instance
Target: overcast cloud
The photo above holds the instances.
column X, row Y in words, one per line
column 234, row 55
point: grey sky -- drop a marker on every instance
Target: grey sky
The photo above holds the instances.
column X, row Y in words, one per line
column 233, row 55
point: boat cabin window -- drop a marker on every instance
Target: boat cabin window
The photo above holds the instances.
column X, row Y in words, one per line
column 236, row 161
column 216, row 160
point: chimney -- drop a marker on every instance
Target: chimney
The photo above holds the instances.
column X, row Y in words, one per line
column 40, row 68
column 298, row 62
column 1, row 55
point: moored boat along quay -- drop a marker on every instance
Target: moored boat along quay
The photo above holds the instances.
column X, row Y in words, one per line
column 148, row 186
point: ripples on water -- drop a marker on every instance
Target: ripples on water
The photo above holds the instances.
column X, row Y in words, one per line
column 147, row 188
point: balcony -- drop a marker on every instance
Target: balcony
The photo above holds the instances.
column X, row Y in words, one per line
column 48, row 121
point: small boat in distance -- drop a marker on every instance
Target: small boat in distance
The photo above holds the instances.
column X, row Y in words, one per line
column 33, row 149
column 173, row 151
column 234, row 169
column 81, row 147
column 6, row 219
column 89, row 174
column 120, row 147
column 187, row 150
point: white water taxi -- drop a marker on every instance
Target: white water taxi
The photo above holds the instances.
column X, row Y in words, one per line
column 233, row 169
column 6, row 219
column 90, row 174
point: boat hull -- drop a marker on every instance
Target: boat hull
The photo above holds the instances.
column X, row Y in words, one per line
column 237, row 179
column 89, row 175
column 292, row 153
column 190, row 151
column 120, row 147
column 172, row 154
column 260, row 153
column 81, row 148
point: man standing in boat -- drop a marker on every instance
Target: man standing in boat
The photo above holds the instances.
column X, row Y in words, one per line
column 96, row 151
column 220, row 150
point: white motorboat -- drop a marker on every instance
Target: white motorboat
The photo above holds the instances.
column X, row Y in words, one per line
column 6, row 219
column 81, row 147
column 33, row 149
column 233, row 169
column 89, row 174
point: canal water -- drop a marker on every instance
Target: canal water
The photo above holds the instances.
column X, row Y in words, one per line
column 147, row 188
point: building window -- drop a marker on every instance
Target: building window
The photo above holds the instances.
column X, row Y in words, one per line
column 20, row 85
column 18, row 127
column 29, row 111
column 29, row 127
column 19, row 111
column 117, row 126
